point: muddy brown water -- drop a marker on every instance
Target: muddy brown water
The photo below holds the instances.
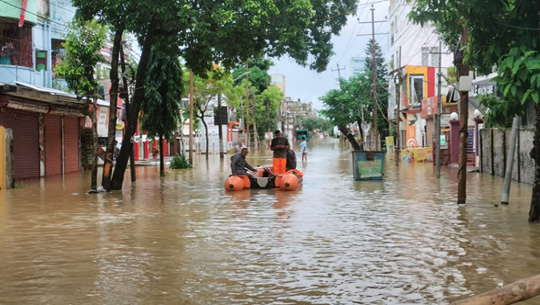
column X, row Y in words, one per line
column 183, row 239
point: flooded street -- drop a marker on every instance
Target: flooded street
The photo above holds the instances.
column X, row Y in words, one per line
column 183, row 239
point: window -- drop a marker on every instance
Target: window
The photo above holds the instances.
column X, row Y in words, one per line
column 417, row 89
column 434, row 57
column 392, row 34
column 425, row 56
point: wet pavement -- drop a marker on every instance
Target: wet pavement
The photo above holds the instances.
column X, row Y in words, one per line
column 183, row 239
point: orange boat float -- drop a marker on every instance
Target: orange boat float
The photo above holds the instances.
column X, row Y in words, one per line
column 265, row 179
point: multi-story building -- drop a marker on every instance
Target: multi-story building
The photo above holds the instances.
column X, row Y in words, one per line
column 44, row 121
column 414, row 61
column 48, row 125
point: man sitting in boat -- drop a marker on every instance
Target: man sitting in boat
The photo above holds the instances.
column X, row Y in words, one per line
column 239, row 165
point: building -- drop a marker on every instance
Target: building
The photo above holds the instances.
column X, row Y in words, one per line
column 290, row 112
column 49, row 125
column 357, row 65
column 279, row 81
column 414, row 60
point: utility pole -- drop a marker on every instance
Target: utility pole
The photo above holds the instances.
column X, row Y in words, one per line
column 463, row 70
column 247, row 104
column 438, row 120
column 374, row 67
column 191, row 116
column 374, row 73
column 338, row 70
column 398, row 100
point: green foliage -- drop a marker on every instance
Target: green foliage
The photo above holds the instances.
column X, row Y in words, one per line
column 502, row 34
column 180, row 162
column 230, row 32
column 315, row 124
column 258, row 74
column 84, row 41
column 518, row 80
column 206, row 88
column 352, row 101
column 161, row 110
column 267, row 109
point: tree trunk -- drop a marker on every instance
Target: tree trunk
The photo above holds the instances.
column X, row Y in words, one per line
column 126, row 105
column 534, row 212
column 93, row 183
column 220, row 130
column 515, row 292
column 206, row 134
column 111, row 136
column 138, row 98
column 161, row 161
column 347, row 133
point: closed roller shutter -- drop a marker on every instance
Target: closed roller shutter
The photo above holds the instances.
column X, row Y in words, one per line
column 25, row 142
column 53, row 145
column 71, row 145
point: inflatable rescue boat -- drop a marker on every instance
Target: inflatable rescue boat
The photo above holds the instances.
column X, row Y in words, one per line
column 265, row 179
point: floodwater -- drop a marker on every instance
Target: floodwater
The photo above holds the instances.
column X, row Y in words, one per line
column 183, row 239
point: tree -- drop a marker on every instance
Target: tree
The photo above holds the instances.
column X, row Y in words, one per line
column 161, row 111
column 382, row 84
column 502, row 34
column 228, row 32
column 206, row 90
column 315, row 124
column 258, row 74
column 223, row 82
column 84, row 41
column 259, row 80
column 351, row 103
column 267, row 108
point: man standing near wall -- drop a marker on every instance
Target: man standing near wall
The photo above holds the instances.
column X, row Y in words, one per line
column 279, row 146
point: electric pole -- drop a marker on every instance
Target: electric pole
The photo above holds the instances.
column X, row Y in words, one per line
column 191, row 116
column 438, row 120
column 247, row 104
column 398, row 101
column 374, row 68
column 338, row 70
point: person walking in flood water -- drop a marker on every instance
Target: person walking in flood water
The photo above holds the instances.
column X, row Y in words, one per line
column 238, row 148
column 303, row 149
column 279, row 146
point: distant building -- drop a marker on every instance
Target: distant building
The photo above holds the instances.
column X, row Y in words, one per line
column 358, row 65
column 278, row 80
column 290, row 112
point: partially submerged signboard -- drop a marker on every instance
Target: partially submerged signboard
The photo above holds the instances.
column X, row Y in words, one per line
column 368, row 165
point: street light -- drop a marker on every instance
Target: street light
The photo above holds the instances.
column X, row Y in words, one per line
column 454, row 116
column 477, row 113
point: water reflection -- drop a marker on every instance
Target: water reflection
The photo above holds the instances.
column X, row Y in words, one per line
column 182, row 239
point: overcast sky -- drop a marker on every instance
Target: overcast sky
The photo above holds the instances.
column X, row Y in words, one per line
column 308, row 85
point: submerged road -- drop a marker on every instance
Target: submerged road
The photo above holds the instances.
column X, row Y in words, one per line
column 183, row 239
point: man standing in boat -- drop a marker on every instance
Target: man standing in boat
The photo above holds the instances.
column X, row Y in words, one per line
column 279, row 146
column 239, row 165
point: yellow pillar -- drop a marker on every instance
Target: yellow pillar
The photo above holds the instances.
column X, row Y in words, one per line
column 3, row 185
